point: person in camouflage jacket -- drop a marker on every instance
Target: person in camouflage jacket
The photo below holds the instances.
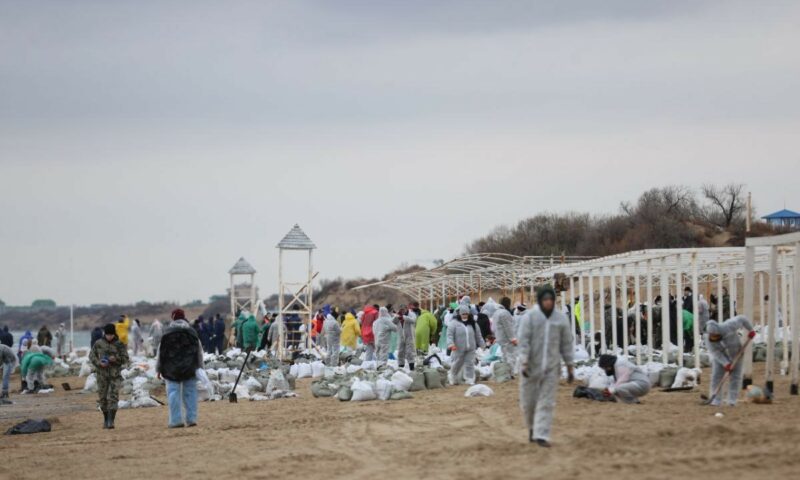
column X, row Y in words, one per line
column 108, row 356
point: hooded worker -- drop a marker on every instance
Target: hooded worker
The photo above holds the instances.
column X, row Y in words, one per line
column 237, row 337
column 630, row 382
column 463, row 338
column 61, row 340
column 406, row 322
column 383, row 328
column 703, row 313
column 122, row 326
column 351, row 331
column 332, row 332
column 156, row 332
column 8, row 362
column 724, row 346
column 545, row 339
column 426, row 326
column 137, row 336
column 32, row 368
column 251, row 333
column 505, row 333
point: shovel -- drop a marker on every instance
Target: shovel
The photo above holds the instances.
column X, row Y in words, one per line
column 232, row 397
column 727, row 376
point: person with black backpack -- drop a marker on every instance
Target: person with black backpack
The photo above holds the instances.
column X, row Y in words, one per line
column 180, row 354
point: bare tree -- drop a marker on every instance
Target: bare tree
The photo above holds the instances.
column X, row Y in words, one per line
column 726, row 203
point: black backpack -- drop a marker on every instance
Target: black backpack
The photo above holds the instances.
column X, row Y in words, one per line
column 178, row 353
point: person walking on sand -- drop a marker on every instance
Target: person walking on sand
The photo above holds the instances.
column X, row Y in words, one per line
column 505, row 333
column 332, row 331
column 8, row 361
column 137, row 336
column 724, row 346
column 156, row 332
column 180, row 354
column 61, row 340
column 108, row 356
column 545, row 339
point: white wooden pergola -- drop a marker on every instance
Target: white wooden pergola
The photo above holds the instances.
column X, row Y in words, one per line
column 302, row 292
column 243, row 295
column 473, row 275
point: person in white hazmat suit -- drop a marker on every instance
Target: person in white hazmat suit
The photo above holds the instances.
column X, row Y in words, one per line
column 505, row 333
column 156, row 332
column 332, row 331
column 406, row 322
column 383, row 328
column 463, row 338
column 724, row 345
column 630, row 382
column 545, row 339
column 704, row 312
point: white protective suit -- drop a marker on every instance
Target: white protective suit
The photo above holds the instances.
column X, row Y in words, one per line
column 504, row 332
column 724, row 352
column 466, row 339
column 406, row 339
column 156, row 332
column 383, row 328
column 136, row 337
column 332, row 332
column 543, row 343
column 630, row 382
column 704, row 312
column 61, row 340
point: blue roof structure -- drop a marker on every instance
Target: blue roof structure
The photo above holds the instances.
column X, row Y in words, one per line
column 782, row 214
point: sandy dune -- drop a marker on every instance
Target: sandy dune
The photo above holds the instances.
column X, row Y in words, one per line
column 438, row 434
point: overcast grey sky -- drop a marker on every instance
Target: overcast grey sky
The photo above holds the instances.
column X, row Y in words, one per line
column 146, row 146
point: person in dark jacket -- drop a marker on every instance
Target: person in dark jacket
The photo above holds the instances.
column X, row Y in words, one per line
column 97, row 334
column 219, row 335
column 6, row 338
column 180, row 354
column 45, row 338
column 483, row 322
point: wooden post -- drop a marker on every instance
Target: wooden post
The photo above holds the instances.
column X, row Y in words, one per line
column 582, row 320
column 572, row 304
column 603, row 342
column 679, row 309
column 785, row 311
column 614, row 332
column 650, row 337
column 592, row 351
column 624, row 300
column 695, row 300
column 665, row 319
column 773, row 316
column 795, row 320
column 638, row 300
column 749, row 293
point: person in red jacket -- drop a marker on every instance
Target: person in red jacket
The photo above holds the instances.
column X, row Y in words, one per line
column 367, row 335
column 316, row 326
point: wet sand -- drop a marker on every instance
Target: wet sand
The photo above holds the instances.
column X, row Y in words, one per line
column 439, row 434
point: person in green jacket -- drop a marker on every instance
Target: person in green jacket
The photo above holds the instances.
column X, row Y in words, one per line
column 426, row 325
column 237, row 329
column 32, row 369
column 251, row 333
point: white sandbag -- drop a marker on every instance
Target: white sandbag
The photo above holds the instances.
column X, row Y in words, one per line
column 259, row 398
column 401, row 382
column 580, row 355
column 354, row 368
column 369, row 365
column 86, row 369
column 479, row 391
column 317, row 369
column 138, row 383
column 143, row 402
column 227, row 375
column 383, row 389
column 362, row 391
column 304, row 370
column 599, row 381
column 293, row 370
column 252, row 385
column 233, row 353
column 123, row 404
column 45, row 391
column 687, row 377
column 484, row 372
column 277, row 382
column 242, row 393
column 91, row 384
column 203, row 381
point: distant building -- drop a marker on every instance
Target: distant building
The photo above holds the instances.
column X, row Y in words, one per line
column 784, row 218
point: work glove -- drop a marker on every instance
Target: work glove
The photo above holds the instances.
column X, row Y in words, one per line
column 570, row 375
column 729, row 367
column 751, row 334
column 452, row 348
column 607, row 393
column 523, row 369
column 514, row 342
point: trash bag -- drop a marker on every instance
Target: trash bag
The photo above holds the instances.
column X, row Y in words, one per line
column 418, row 381
column 599, row 381
column 252, row 385
column 322, row 389
column 433, row 379
column 86, row 370
column 29, row 426
column 591, row 394
column 501, row 372
column 667, row 377
column 479, row 391
column 401, row 381
column 91, row 384
column 384, row 389
column 344, row 394
column 401, row 395
column 362, row 391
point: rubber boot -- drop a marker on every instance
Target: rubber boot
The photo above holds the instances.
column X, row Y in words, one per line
column 112, row 414
column 105, row 419
column 411, row 366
